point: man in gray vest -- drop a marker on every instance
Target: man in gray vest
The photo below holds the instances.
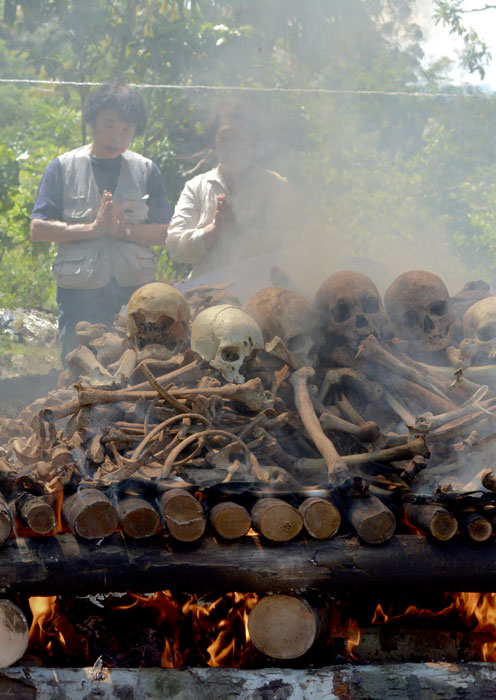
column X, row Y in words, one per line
column 105, row 206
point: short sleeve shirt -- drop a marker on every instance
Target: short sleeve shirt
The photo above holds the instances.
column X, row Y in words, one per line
column 49, row 200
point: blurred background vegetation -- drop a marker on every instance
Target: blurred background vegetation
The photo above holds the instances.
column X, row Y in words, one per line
column 380, row 175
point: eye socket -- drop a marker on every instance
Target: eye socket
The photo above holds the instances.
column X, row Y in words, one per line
column 410, row 318
column 296, row 342
column 438, row 308
column 487, row 332
column 341, row 312
column 229, row 354
column 370, row 305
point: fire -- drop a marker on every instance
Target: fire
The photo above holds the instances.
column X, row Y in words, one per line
column 477, row 612
column 190, row 631
column 51, row 631
column 480, row 609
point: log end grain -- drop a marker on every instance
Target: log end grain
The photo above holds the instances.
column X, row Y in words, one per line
column 40, row 518
column 14, row 633
column 230, row 520
column 283, row 627
column 183, row 515
column 374, row 523
column 138, row 518
column 90, row 514
column 276, row 520
column 321, row 518
column 443, row 526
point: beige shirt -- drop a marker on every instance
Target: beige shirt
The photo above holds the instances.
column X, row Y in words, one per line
column 264, row 210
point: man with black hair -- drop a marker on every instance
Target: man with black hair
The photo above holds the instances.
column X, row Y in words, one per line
column 105, row 206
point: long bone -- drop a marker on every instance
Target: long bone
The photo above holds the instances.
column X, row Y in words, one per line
column 371, row 350
column 278, row 349
column 85, row 360
column 334, row 377
column 418, row 398
column 368, row 432
column 446, row 379
column 337, row 470
column 251, row 393
column 428, row 422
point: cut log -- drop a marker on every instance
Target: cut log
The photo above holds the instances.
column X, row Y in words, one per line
column 393, row 643
column 321, row 518
column 395, row 681
column 276, row 520
column 285, row 627
column 6, row 521
column 230, row 520
column 475, row 526
column 35, row 513
column 137, row 517
column 373, row 522
column 340, row 566
column 14, row 633
column 90, row 514
column 183, row 515
column 432, row 519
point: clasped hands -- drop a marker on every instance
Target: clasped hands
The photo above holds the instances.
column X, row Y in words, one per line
column 223, row 223
column 110, row 218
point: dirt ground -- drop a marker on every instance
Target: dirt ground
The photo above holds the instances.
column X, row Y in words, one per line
column 29, row 357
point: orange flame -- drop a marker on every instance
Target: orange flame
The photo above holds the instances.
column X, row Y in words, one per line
column 479, row 609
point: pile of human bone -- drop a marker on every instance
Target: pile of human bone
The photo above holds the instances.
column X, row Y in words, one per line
column 194, row 413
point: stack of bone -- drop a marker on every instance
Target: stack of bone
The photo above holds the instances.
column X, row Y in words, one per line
column 286, row 416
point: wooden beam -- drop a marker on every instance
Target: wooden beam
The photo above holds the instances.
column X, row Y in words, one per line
column 70, row 565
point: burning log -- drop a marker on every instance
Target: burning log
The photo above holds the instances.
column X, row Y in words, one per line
column 373, row 522
column 433, row 519
column 183, row 515
column 276, row 520
column 321, row 518
column 137, row 517
column 90, row 514
column 286, row 627
column 35, row 513
column 230, row 520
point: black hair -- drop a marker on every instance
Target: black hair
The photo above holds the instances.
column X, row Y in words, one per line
column 118, row 96
column 232, row 112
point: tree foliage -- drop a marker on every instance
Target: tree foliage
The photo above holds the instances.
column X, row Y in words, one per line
column 374, row 172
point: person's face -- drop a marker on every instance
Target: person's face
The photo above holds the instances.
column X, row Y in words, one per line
column 233, row 147
column 111, row 135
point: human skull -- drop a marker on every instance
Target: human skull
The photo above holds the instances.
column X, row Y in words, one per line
column 420, row 310
column 286, row 314
column 479, row 324
column 157, row 314
column 350, row 309
column 226, row 337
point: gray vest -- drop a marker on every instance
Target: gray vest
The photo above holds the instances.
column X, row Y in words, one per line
column 91, row 264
